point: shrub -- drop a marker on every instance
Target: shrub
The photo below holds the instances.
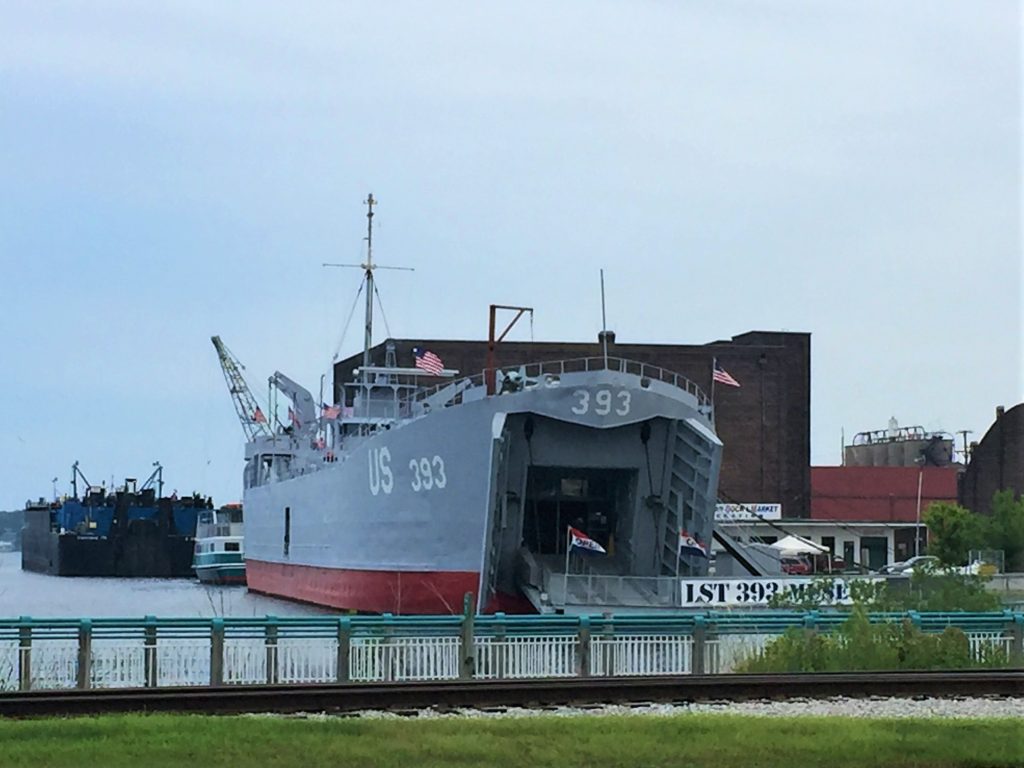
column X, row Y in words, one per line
column 860, row 645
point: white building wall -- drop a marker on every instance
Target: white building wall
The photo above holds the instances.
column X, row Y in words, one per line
column 816, row 531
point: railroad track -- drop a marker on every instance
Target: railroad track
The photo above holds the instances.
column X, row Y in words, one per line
column 341, row 698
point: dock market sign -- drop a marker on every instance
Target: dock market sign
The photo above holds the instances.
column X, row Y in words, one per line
column 730, row 513
column 756, row 592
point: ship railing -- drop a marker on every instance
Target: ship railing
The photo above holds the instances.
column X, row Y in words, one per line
column 590, row 589
column 40, row 654
column 534, row 375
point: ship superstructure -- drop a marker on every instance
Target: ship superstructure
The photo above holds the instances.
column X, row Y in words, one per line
column 420, row 487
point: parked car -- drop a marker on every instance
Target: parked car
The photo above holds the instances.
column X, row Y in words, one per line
column 907, row 567
column 892, row 568
column 795, row 566
column 920, row 562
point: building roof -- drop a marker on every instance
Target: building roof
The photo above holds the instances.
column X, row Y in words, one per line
column 878, row 494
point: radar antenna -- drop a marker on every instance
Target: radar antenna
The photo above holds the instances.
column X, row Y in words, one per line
column 252, row 418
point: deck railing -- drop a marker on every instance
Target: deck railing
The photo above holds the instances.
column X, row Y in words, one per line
column 151, row 652
column 538, row 371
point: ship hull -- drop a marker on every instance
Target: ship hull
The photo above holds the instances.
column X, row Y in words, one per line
column 128, row 556
column 358, row 534
column 427, row 592
column 411, row 519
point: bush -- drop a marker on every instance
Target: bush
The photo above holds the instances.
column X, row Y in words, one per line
column 859, row 645
column 925, row 590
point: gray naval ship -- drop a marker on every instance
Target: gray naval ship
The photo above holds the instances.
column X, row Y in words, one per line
column 425, row 485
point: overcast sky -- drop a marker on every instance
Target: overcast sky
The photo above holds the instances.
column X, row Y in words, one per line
column 169, row 171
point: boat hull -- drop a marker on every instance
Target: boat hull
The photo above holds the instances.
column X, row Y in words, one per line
column 408, row 519
column 428, row 592
column 225, row 573
column 150, row 555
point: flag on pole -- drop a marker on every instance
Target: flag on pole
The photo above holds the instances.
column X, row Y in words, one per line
column 428, row 361
column 690, row 546
column 580, row 540
column 330, row 411
column 722, row 376
column 293, row 417
column 258, row 416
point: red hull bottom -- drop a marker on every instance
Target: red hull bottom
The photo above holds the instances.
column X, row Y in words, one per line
column 432, row 592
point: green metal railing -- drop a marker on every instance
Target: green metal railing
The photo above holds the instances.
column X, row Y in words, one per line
column 151, row 651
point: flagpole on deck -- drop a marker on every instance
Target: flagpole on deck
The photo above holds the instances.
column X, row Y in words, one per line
column 679, row 541
column 568, row 546
column 714, row 365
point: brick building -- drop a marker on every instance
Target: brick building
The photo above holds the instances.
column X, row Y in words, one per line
column 997, row 462
column 764, row 424
column 866, row 515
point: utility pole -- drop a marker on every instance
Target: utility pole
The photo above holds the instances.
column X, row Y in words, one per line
column 964, row 433
column 917, row 527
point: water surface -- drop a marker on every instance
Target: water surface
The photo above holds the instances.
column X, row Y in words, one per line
column 24, row 593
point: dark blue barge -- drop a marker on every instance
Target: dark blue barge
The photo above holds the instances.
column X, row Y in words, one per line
column 127, row 531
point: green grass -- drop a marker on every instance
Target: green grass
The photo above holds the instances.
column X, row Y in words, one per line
column 140, row 741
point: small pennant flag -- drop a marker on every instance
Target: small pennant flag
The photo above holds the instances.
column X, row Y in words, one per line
column 428, row 361
column 688, row 545
column 722, row 376
column 580, row 540
column 258, row 416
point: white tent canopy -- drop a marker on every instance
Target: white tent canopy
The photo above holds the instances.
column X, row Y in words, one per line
column 800, row 546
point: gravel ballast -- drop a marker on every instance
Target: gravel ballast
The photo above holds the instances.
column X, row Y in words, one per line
column 981, row 707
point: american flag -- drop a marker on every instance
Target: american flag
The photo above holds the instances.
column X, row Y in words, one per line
column 293, row 417
column 330, row 411
column 722, row 376
column 258, row 416
column 428, row 361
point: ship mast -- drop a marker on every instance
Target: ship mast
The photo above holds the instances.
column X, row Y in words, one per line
column 368, row 267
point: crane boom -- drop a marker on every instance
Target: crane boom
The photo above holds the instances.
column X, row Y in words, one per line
column 252, row 418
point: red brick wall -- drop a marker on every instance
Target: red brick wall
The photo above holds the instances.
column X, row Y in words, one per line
column 764, row 424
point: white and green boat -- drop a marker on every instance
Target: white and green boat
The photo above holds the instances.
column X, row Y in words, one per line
column 220, row 550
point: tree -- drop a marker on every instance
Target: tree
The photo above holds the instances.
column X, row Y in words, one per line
column 1006, row 529
column 953, row 532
